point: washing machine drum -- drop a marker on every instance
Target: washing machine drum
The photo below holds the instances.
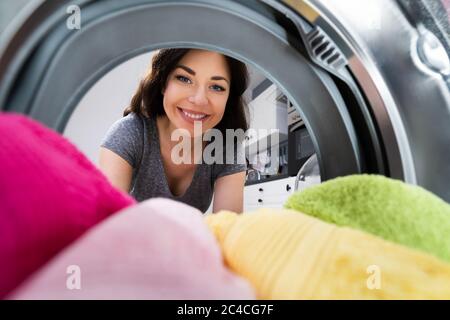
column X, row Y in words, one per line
column 370, row 78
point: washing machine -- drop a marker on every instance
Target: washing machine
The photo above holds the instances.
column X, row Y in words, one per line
column 370, row 79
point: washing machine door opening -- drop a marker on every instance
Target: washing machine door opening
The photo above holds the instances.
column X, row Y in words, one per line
column 47, row 68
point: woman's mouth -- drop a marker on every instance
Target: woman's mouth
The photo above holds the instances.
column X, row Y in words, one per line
column 191, row 116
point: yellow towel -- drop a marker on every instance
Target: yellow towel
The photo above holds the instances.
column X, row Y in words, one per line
column 286, row 254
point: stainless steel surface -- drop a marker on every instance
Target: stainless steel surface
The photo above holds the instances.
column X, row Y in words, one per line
column 253, row 175
column 308, row 175
column 411, row 104
column 344, row 22
column 432, row 53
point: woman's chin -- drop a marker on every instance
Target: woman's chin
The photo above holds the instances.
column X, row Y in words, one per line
column 197, row 128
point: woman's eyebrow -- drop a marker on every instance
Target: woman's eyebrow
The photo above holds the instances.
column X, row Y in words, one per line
column 190, row 71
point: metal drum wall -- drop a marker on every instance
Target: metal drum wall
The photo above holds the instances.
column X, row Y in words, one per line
column 352, row 98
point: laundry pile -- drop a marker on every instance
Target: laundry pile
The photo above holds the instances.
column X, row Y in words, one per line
column 354, row 237
column 63, row 227
column 50, row 194
column 157, row 249
column 390, row 209
column 286, row 254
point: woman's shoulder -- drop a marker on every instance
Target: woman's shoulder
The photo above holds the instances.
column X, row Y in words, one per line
column 132, row 123
column 125, row 138
column 132, row 119
column 126, row 130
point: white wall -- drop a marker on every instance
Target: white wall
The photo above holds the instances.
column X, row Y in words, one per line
column 104, row 104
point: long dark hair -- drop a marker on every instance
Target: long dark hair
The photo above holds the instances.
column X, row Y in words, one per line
column 148, row 98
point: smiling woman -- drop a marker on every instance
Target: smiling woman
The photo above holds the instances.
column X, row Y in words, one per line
column 183, row 89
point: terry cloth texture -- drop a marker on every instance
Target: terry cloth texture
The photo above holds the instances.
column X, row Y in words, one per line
column 136, row 139
column 50, row 193
column 286, row 254
column 388, row 208
column 157, row 249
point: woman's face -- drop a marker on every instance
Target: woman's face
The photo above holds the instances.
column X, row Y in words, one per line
column 197, row 90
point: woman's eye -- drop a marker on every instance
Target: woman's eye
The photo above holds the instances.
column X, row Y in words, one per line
column 183, row 79
column 218, row 88
column 187, row 80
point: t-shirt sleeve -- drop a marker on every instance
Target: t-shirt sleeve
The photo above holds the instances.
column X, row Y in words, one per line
column 125, row 138
column 238, row 164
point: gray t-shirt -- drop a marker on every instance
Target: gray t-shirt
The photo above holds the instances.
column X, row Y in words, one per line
column 135, row 138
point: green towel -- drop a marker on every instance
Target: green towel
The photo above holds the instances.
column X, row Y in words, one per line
column 387, row 208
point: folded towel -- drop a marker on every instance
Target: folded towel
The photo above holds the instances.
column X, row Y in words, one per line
column 50, row 193
column 388, row 208
column 286, row 254
column 157, row 249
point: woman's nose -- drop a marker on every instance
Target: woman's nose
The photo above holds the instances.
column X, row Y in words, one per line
column 199, row 97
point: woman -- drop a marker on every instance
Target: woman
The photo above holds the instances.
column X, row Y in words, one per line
column 183, row 88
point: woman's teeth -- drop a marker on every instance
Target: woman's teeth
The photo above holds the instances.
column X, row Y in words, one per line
column 194, row 116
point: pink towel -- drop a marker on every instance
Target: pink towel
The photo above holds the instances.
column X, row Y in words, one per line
column 49, row 195
column 158, row 249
